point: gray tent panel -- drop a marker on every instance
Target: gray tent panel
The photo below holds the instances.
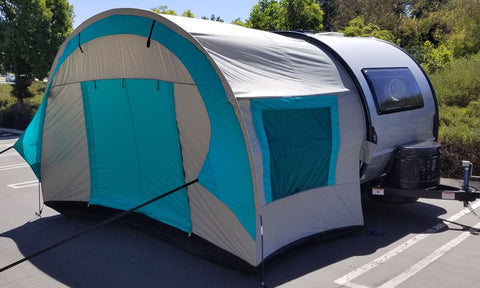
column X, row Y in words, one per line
column 65, row 150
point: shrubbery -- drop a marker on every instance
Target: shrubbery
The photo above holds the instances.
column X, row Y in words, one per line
column 458, row 94
column 12, row 116
column 459, row 83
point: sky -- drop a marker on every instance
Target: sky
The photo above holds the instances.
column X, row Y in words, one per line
column 227, row 10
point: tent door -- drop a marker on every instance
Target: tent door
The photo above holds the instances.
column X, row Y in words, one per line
column 134, row 148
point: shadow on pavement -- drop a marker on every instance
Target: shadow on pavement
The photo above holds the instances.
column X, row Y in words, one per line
column 384, row 225
column 119, row 255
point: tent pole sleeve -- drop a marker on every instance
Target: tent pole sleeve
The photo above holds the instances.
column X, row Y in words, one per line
column 79, row 45
column 93, row 227
column 150, row 35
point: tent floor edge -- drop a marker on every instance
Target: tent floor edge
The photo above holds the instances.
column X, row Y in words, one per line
column 192, row 243
column 317, row 238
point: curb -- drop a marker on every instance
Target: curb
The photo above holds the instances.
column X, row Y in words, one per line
column 12, row 131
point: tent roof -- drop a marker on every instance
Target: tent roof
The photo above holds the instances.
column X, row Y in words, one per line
column 254, row 63
column 263, row 64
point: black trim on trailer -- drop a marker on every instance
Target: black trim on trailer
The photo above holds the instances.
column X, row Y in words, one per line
column 444, row 192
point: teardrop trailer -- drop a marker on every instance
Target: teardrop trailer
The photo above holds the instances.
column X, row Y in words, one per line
column 265, row 140
column 402, row 115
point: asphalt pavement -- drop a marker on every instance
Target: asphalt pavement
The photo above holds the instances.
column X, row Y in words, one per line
column 429, row 243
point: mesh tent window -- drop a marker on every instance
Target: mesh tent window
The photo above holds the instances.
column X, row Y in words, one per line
column 299, row 140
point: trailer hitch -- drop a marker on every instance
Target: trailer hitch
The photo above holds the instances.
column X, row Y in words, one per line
column 466, row 193
column 467, row 168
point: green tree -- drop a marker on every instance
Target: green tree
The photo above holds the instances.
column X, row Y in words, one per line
column 464, row 38
column 422, row 8
column 286, row 15
column 188, row 14
column 330, row 9
column 31, row 31
column 436, row 59
column 239, row 22
column 347, row 10
column 213, row 18
column 452, row 23
column 266, row 15
column 302, row 15
column 358, row 28
column 163, row 9
column 386, row 14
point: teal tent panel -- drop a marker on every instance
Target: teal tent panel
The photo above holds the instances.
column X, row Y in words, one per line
column 226, row 171
column 29, row 145
column 299, row 139
column 134, row 148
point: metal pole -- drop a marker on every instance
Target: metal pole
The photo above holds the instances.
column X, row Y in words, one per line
column 466, row 178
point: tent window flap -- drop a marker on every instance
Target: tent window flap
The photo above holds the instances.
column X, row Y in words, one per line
column 299, row 144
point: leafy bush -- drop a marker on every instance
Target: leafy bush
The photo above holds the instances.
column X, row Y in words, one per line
column 458, row 93
column 435, row 59
column 459, row 84
column 5, row 98
column 358, row 28
column 460, row 137
column 460, row 126
column 13, row 116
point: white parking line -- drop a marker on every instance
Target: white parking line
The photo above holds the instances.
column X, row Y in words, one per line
column 392, row 283
column 354, row 285
column 8, row 155
column 14, row 166
column 347, row 278
column 6, row 145
column 23, row 184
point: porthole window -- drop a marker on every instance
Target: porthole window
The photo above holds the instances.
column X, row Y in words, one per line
column 394, row 89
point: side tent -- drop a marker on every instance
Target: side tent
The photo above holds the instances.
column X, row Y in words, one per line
column 140, row 103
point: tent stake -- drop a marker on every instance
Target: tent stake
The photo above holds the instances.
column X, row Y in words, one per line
column 91, row 228
column 262, row 267
column 40, row 204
